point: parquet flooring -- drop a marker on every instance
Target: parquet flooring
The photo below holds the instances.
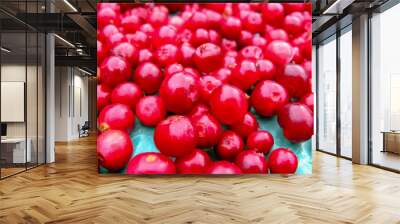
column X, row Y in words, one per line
column 71, row 191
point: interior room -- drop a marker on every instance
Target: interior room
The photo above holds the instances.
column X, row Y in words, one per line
column 49, row 100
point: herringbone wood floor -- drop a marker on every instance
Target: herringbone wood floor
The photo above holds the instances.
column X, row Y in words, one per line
column 71, row 191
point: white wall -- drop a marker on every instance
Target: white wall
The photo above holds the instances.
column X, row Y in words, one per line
column 70, row 84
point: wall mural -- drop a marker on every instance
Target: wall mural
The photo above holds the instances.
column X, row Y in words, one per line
column 212, row 88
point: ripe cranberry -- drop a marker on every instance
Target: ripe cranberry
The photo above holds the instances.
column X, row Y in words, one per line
column 107, row 16
column 251, row 52
column 127, row 93
column 224, row 167
column 277, row 34
column 172, row 69
column 228, row 104
column 214, row 37
column 175, row 136
column 127, row 51
column 253, row 22
column 228, row 45
column 177, row 22
column 198, row 110
column 165, row 35
column 231, row 27
column 262, row 141
column 186, row 52
column 308, row 100
column 193, row 72
column 130, row 23
column 266, row 69
column 222, row 74
column 283, row 161
column 293, row 24
column 245, row 74
column 145, row 55
column 279, row 52
column 245, row 38
column 150, row 110
column 197, row 20
column 208, row 130
column 259, row 41
column 148, row 77
column 185, row 36
column 250, row 161
column 116, row 39
column 107, row 32
column 139, row 39
column 114, row 148
column 294, row 79
column 230, row 145
column 158, row 17
column 297, row 57
column 101, row 52
column 273, row 13
column 214, row 19
column 268, row 98
column 150, row 163
column 246, row 126
column 196, row 162
column 208, row 57
column 167, row 54
column 115, row 70
column 103, row 96
column 116, row 116
column 180, row 92
column 297, row 122
column 230, row 61
column 293, row 7
column 200, row 37
column 208, row 84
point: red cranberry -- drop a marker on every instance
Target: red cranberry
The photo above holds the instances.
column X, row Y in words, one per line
column 266, row 69
column 282, row 161
column 126, row 93
column 196, row 162
column 245, row 74
column 180, row 92
column 150, row 163
column 101, row 52
column 222, row 74
column 127, row 51
column 186, row 53
column 208, row 84
column 262, row 141
column 251, row 52
column 116, row 116
column 246, row 126
column 167, row 54
column 253, row 22
column 165, row 35
column 273, row 13
column 115, row 70
column 294, row 79
column 277, row 34
column 250, row 161
column 148, row 77
column 107, row 16
column 224, row 167
column 279, row 52
column 230, row 145
column 172, row 69
column 150, row 110
column 297, row 122
column 268, row 98
column 228, row 104
column 103, row 96
column 231, row 27
column 198, row 109
column 208, row 57
column 114, row 148
column 175, row 136
column 130, row 23
column 208, row 130
column 308, row 100
column 145, row 55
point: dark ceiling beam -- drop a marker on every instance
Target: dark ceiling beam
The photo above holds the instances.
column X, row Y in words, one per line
column 78, row 61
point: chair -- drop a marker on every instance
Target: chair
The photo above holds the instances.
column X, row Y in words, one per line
column 84, row 129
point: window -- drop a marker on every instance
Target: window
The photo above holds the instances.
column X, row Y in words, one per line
column 327, row 95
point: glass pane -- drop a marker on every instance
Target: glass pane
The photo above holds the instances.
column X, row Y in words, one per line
column 385, row 89
column 31, row 97
column 327, row 96
column 346, row 94
column 41, row 98
column 13, row 87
